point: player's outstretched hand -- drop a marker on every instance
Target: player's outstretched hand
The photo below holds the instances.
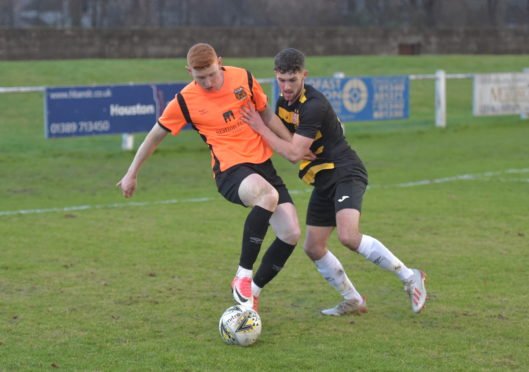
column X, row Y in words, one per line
column 127, row 185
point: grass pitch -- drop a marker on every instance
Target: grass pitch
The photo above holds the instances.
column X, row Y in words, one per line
column 139, row 285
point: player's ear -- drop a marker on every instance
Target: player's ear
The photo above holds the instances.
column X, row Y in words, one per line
column 188, row 69
column 305, row 73
column 219, row 61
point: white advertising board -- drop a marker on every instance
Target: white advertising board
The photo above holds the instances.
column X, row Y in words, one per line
column 501, row 94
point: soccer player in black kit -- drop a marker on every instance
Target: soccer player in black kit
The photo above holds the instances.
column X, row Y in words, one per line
column 339, row 179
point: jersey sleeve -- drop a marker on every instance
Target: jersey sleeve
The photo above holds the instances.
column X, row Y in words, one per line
column 172, row 118
column 311, row 118
column 259, row 96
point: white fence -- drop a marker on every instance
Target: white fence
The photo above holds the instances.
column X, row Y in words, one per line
column 440, row 90
column 440, row 96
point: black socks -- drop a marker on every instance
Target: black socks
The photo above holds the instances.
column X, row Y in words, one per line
column 273, row 261
column 255, row 229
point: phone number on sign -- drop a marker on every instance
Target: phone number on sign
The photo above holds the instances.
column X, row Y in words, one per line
column 73, row 127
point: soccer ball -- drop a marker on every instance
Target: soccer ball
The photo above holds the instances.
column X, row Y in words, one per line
column 238, row 326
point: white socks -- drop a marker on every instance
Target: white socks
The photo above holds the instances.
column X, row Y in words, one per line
column 256, row 291
column 245, row 273
column 377, row 253
column 332, row 270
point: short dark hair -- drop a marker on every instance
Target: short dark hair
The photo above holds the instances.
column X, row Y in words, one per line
column 289, row 60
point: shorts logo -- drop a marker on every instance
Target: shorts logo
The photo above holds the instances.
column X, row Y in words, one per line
column 228, row 116
column 240, row 93
column 343, row 198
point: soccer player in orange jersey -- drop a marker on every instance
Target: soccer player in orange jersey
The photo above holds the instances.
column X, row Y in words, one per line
column 240, row 159
column 339, row 179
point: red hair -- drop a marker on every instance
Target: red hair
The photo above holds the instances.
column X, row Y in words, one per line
column 200, row 56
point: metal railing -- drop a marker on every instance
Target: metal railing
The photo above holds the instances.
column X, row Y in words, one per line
column 440, row 77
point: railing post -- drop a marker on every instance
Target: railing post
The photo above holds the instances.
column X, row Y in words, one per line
column 127, row 141
column 525, row 115
column 440, row 98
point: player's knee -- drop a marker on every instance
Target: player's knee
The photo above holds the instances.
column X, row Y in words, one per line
column 269, row 199
column 350, row 240
column 313, row 251
column 291, row 234
column 296, row 232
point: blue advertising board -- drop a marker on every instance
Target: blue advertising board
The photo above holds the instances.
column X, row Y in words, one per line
column 364, row 98
column 105, row 109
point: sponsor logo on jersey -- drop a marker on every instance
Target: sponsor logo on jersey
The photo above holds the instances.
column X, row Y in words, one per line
column 295, row 118
column 228, row 116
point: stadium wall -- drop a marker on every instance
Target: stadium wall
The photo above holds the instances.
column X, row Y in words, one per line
column 46, row 43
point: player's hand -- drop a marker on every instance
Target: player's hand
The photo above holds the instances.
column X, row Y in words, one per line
column 127, row 185
column 252, row 117
column 309, row 156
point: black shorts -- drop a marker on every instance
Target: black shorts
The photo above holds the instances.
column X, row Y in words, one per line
column 346, row 192
column 228, row 182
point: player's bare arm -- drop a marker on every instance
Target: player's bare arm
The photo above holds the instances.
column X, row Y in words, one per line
column 295, row 150
column 275, row 124
column 152, row 140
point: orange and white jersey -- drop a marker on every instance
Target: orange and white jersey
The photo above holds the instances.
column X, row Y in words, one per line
column 216, row 115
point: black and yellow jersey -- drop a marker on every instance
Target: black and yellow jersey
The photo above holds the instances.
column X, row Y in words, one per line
column 313, row 116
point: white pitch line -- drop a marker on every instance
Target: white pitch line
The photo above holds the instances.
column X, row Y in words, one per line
column 475, row 176
column 106, row 206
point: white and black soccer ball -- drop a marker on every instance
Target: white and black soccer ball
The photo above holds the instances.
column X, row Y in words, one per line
column 238, row 326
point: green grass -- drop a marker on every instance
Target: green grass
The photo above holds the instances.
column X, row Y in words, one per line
column 141, row 287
